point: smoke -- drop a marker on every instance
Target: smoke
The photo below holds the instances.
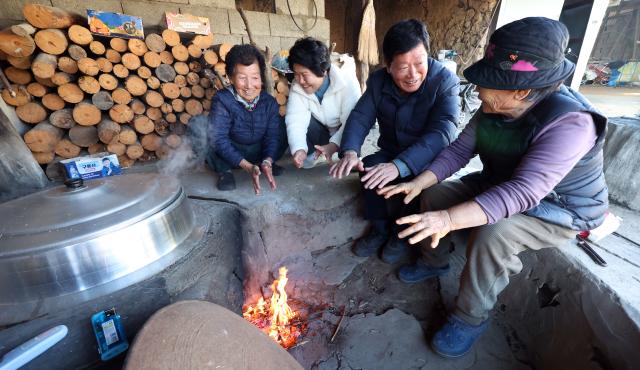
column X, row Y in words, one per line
column 191, row 153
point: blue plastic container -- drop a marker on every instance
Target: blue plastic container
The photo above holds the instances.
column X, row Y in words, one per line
column 109, row 334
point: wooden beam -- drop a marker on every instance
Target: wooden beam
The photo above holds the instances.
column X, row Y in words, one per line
column 20, row 174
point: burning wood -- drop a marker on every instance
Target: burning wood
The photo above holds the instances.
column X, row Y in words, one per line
column 275, row 318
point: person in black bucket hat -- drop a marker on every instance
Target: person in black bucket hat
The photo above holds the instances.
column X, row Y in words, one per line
column 542, row 181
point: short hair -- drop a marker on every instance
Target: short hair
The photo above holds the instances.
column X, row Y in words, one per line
column 312, row 54
column 540, row 93
column 246, row 55
column 404, row 36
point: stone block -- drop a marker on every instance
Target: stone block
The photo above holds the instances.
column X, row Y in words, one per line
column 321, row 30
column 80, row 6
column 283, row 25
column 219, row 18
column 300, row 7
column 225, row 4
column 262, row 41
column 152, row 13
column 12, row 9
column 287, row 42
column 259, row 23
column 621, row 158
column 231, row 39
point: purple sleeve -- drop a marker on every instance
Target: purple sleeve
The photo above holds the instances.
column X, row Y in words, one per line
column 552, row 154
column 456, row 155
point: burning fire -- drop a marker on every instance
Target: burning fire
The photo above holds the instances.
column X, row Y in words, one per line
column 275, row 319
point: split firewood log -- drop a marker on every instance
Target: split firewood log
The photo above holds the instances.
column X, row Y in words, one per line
column 117, row 148
column 105, row 65
column 102, row 100
column 89, row 84
column 18, row 76
column 170, row 37
column 43, row 137
column 67, row 65
column 97, row 47
column 127, row 135
column 16, row 45
column 108, row 131
column 121, row 113
column 80, row 35
column 83, row 136
column 88, row 66
column 86, row 114
column 155, row 43
column 137, row 47
column 62, row 118
column 71, row 93
column 44, row 65
column 61, row 78
column 135, row 150
column 65, row 148
column 119, row 45
column 37, row 89
column 53, row 101
column 33, row 113
column 151, row 142
column 76, row 52
column 135, row 85
column 121, row 96
column 22, row 96
column 51, row 41
column 113, row 56
column 165, row 73
column 20, row 62
column 143, row 124
column 43, row 16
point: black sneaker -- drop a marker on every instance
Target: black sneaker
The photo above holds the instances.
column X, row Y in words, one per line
column 369, row 244
column 276, row 170
column 226, row 181
column 395, row 250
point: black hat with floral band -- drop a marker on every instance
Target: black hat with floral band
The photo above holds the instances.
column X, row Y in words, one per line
column 525, row 54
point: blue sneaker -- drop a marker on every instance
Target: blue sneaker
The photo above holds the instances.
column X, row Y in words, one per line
column 456, row 337
column 420, row 271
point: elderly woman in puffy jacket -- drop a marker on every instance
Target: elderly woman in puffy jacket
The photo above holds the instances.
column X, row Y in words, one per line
column 245, row 129
column 321, row 98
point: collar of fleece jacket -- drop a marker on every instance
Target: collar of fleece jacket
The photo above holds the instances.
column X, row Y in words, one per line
column 336, row 83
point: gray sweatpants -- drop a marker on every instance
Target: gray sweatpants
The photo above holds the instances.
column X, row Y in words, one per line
column 492, row 252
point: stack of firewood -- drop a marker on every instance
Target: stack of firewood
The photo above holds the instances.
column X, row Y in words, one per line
column 131, row 97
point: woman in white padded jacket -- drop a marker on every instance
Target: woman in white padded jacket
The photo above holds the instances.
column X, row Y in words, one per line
column 320, row 100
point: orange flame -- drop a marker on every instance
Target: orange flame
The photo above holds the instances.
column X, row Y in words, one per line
column 276, row 319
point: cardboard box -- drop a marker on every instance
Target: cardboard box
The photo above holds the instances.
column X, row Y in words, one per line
column 115, row 24
column 92, row 166
column 188, row 23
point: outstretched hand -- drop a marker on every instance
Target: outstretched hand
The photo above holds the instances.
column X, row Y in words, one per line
column 344, row 166
column 267, row 169
column 327, row 150
column 298, row 158
column 411, row 189
column 380, row 175
column 429, row 224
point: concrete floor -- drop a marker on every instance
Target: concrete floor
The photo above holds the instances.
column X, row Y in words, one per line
column 613, row 101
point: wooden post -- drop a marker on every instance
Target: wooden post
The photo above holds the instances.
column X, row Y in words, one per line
column 20, row 174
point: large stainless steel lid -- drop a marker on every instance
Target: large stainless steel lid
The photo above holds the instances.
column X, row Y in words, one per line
column 109, row 234
column 62, row 216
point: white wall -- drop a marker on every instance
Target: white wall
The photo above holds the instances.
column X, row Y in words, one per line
column 512, row 10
